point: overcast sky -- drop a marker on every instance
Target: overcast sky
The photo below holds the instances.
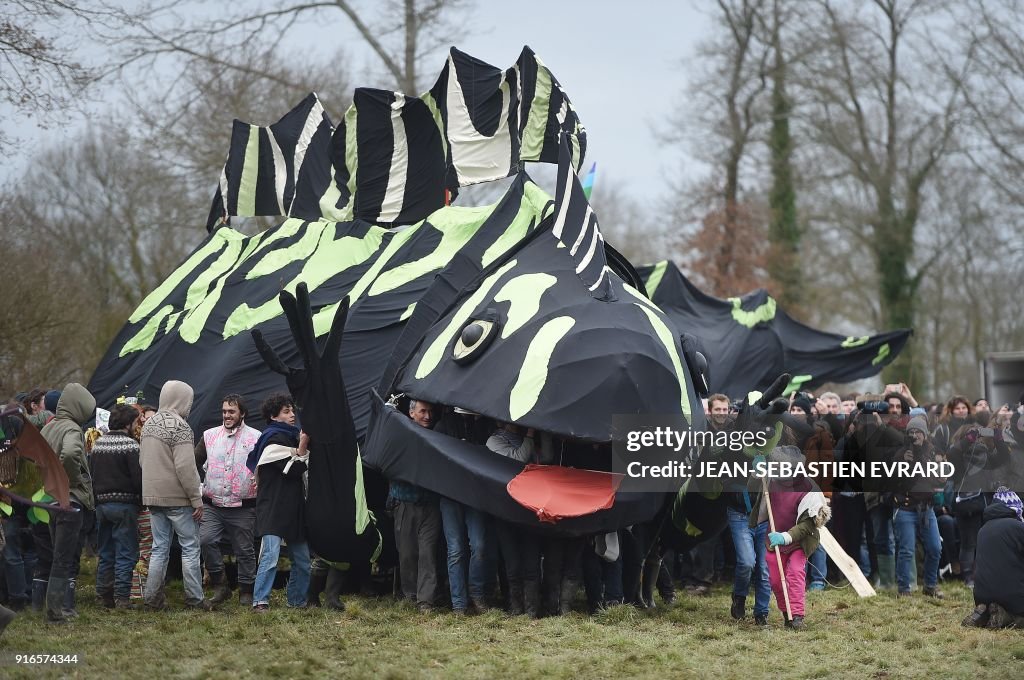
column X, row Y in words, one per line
column 621, row 63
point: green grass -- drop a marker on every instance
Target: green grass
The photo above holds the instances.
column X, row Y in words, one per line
column 845, row 637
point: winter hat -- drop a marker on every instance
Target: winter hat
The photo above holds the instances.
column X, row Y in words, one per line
column 918, row 423
column 918, row 411
column 1012, row 501
column 786, row 454
column 803, row 402
column 51, row 399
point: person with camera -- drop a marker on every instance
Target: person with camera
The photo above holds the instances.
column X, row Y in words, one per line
column 874, row 440
column 979, row 456
column 914, row 518
column 956, row 413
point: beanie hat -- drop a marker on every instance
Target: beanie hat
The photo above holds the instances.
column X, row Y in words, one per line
column 1012, row 501
column 51, row 399
column 803, row 402
column 918, row 423
column 918, row 411
column 786, row 454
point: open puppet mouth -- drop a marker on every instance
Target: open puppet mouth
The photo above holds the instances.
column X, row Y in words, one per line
column 553, row 498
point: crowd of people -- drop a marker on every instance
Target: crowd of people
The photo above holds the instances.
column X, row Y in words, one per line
column 145, row 486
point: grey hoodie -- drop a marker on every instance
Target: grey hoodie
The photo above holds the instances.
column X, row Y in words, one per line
column 169, row 475
column 64, row 435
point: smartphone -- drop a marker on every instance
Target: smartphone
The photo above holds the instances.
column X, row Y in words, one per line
column 986, row 432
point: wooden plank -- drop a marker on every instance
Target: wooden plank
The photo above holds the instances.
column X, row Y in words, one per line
column 846, row 564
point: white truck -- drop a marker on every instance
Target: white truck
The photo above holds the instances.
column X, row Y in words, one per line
column 1002, row 376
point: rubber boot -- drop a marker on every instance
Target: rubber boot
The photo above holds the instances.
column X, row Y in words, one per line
column 332, row 595
column 245, row 594
column 6, row 616
column 886, row 572
column 649, row 578
column 221, row 589
column 56, row 592
column 531, row 598
column 69, row 600
column 567, row 595
column 317, row 583
column 38, row 594
column 515, row 598
column 739, row 607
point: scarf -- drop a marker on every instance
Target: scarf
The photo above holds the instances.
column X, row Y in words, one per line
column 274, row 428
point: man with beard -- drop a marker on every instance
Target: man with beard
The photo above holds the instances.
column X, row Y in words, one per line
column 229, row 499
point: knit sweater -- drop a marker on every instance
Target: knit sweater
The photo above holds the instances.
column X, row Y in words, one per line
column 116, row 473
column 169, row 474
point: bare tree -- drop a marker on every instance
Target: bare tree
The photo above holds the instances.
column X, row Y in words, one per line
column 881, row 125
column 400, row 33
column 40, row 67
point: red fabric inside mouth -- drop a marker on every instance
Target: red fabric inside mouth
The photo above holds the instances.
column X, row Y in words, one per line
column 555, row 492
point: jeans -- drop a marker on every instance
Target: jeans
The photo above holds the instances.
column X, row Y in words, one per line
column 881, row 524
column 911, row 525
column 240, row 526
column 465, row 532
column 817, row 566
column 118, row 529
column 750, row 561
column 165, row 523
column 17, row 563
column 298, row 579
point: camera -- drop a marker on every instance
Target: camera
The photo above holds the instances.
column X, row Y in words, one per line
column 879, row 407
column 986, row 432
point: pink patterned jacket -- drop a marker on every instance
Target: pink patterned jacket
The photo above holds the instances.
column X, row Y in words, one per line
column 228, row 481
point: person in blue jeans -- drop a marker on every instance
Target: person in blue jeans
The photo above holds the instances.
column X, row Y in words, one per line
column 279, row 460
column 751, row 567
column 117, row 483
column 171, row 489
column 914, row 518
column 465, row 532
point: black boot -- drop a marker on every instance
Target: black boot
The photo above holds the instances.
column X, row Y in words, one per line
column 317, row 583
column 56, row 591
column 739, row 607
column 649, row 578
column 245, row 594
column 567, row 596
column 531, row 598
column 332, row 598
column 38, row 594
column 69, row 600
column 221, row 588
column 515, row 598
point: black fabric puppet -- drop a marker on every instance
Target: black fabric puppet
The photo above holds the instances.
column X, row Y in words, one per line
column 340, row 526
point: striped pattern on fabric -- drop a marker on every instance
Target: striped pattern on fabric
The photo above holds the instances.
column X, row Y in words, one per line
column 577, row 228
column 394, row 157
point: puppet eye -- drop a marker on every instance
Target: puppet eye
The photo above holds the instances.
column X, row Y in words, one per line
column 474, row 339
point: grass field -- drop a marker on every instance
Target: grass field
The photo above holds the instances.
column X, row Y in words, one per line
column 845, row 637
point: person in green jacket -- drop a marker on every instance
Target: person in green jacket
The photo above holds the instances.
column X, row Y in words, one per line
column 64, row 435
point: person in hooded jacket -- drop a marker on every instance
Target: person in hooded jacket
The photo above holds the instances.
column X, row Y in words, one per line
column 999, row 580
column 64, row 435
column 171, row 489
